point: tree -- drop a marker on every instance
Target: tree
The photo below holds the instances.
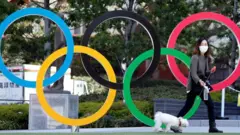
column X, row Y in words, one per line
column 25, row 37
column 23, row 44
column 164, row 15
column 114, row 47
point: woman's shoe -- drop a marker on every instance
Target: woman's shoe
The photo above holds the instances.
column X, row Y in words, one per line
column 213, row 128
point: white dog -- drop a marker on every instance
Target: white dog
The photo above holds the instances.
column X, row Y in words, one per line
column 170, row 121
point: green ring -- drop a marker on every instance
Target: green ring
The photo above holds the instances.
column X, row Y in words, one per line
column 127, row 81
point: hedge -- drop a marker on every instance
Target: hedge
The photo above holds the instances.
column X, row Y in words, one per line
column 117, row 116
column 13, row 117
column 94, row 86
column 148, row 90
column 151, row 93
column 16, row 116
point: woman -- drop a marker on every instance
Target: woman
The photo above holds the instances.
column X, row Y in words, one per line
column 199, row 71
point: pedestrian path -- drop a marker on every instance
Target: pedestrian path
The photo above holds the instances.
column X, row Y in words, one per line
column 124, row 130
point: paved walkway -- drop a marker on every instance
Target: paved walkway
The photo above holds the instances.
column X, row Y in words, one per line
column 121, row 130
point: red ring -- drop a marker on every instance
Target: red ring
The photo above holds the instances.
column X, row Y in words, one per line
column 177, row 30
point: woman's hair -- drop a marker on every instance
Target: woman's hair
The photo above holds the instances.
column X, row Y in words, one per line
column 197, row 50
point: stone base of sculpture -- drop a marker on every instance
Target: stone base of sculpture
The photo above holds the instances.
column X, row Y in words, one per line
column 62, row 102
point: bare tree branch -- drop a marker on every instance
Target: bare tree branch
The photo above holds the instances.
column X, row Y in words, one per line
column 215, row 31
column 121, row 33
column 53, row 2
column 37, row 3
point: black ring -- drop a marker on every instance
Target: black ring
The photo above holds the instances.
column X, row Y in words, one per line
column 128, row 15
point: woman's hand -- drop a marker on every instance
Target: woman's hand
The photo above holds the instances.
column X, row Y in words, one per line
column 202, row 83
column 213, row 69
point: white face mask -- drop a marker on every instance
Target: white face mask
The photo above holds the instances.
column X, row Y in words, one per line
column 203, row 49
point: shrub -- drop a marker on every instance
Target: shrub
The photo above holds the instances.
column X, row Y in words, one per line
column 14, row 117
column 9, row 125
column 117, row 116
column 145, row 94
column 229, row 96
column 153, row 89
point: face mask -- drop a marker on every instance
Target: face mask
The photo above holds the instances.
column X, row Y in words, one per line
column 203, row 49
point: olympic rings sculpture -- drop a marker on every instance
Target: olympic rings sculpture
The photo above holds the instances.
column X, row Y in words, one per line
column 111, row 84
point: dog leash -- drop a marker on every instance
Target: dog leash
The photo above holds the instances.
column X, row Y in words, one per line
column 206, row 88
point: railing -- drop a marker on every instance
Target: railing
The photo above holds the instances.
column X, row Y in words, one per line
column 173, row 106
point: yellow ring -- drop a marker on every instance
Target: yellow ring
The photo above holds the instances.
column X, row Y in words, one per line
column 51, row 112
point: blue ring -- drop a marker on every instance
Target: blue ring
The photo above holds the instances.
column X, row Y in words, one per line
column 62, row 25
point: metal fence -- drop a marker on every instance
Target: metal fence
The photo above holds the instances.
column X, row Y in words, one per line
column 173, row 106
